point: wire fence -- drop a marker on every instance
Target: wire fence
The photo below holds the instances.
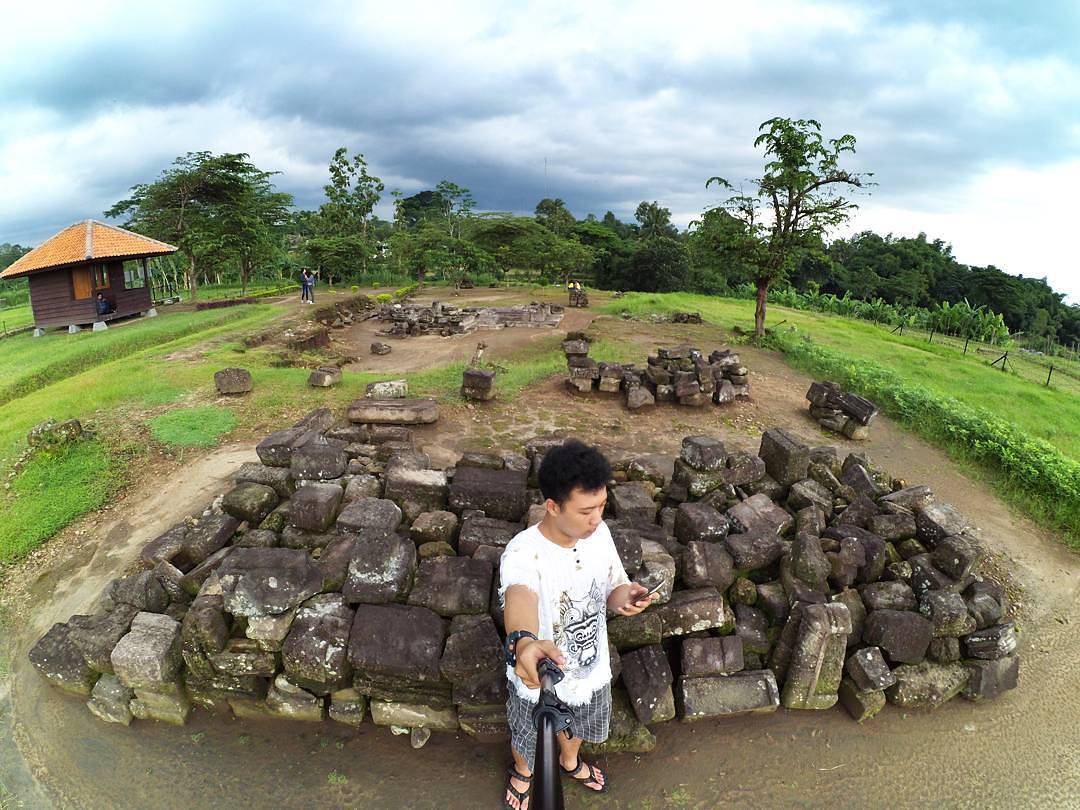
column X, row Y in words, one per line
column 1061, row 371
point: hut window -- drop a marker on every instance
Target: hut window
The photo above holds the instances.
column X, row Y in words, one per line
column 133, row 275
column 101, row 277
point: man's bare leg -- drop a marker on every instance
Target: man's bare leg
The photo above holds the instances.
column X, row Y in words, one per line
column 523, row 768
column 569, row 759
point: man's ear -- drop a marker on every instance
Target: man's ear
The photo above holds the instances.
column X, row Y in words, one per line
column 552, row 507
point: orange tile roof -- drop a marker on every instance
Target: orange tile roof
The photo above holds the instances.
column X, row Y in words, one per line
column 83, row 242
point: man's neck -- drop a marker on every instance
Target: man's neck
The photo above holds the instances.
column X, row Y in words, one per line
column 551, row 532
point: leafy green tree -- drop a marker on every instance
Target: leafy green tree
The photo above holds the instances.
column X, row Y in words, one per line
column 653, row 220
column 424, row 206
column 457, row 204
column 801, row 192
column 343, row 222
column 187, row 203
column 555, row 216
column 250, row 223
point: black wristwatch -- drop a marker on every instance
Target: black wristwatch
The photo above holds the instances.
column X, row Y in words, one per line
column 510, row 648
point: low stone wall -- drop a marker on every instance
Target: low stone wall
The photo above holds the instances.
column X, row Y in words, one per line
column 343, row 577
column 408, row 319
column 679, row 374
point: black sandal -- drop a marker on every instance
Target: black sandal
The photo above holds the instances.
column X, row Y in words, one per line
column 519, row 795
column 586, row 780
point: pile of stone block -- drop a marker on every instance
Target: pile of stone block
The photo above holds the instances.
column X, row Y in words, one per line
column 841, row 411
column 678, row 374
column 408, row 319
column 579, row 298
column 344, row 577
column 343, row 313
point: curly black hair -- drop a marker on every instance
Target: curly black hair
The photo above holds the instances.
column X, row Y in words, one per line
column 572, row 465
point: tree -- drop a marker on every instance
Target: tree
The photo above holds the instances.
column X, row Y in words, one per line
column 800, row 192
column 555, row 216
column 653, row 220
column 250, row 221
column 343, row 221
column 457, row 203
column 185, row 205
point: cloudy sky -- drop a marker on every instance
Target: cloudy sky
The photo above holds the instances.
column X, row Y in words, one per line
column 967, row 113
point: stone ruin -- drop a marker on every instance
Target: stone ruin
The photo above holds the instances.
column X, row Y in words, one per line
column 344, row 577
column 344, row 313
column 674, row 374
column 840, row 411
column 406, row 320
column 478, row 383
column 579, row 299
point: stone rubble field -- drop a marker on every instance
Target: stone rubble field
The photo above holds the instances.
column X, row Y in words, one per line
column 343, row 577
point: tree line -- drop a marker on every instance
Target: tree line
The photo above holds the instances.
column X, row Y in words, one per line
column 231, row 224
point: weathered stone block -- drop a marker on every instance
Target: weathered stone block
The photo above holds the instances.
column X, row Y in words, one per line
column 698, row 521
column 435, row 527
column 749, row 692
column 958, row 555
column 694, row 610
column 707, row 564
column 808, row 561
column 348, row 706
column 381, row 569
column 452, row 585
column 96, row 636
column 936, row 521
column 632, row 632
column 631, row 502
column 314, row 507
column 232, row 380
column 315, row 461
column 110, row 700
column 265, row 581
column 754, row 550
column 413, row 715
column 704, row 453
column 868, row 670
column 985, row 602
column 759, row 512
column 809, row 492
column 484, row 531
column 991, row 643
column 926, row 685
column 498, row 493
column 415, row 490
column 473, row 650
column 626, row 733
column 393, row 411
column 948, row 612
column 290, row 701
column 61, row 663
column 703, row 657
column 278, row 478
column 860, row 704
column 315, row 653
column 817, row 657
column 397, row 641
column 989, row 679
column 893, row 527
column 149, row 655
column 366, row 517
column 786, row 458
column 751, row 627
column 902, row 635
column 648, row 679
column 888, row 596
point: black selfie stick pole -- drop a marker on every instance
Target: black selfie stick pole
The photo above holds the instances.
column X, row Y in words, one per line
column 552, row 717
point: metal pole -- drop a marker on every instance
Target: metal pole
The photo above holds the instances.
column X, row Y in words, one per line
column 966, row 344
column 931, row 336
column 1048, row 375
column 547, row 788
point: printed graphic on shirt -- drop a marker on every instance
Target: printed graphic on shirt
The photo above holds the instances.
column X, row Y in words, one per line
column 577, row 631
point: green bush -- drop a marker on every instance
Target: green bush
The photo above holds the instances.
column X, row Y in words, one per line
column 1037, row 475
column 384, row 298
column 192, row 427
column 405, row 292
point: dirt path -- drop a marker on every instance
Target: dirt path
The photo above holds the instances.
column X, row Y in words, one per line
column 1019, row 751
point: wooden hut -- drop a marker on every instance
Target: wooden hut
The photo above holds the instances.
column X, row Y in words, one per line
column 67, row 272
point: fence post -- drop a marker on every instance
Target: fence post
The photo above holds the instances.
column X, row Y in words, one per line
column 966, row 344
column 1048, row 375
column 931, row 340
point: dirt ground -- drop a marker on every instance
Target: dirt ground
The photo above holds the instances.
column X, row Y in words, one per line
column 1019, row 751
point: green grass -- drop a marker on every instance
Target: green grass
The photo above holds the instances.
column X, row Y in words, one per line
column 192, row 427
column 1051, row 414
column 34, row 510
column 15, row 318
column 28, row 364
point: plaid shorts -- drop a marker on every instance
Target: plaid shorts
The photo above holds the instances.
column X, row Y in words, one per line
column 591, row 721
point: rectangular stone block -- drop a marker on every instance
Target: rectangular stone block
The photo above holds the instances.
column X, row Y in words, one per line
column 751, row 692
column 498, row 493
column 703, row 657
column 648, row 679
column 786, row 458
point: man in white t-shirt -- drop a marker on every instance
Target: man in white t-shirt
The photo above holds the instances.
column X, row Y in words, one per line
column 558, row 580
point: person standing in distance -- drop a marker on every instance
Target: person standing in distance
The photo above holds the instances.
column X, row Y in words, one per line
column 559, row 578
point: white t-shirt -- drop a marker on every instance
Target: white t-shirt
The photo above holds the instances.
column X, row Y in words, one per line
column 573, row 585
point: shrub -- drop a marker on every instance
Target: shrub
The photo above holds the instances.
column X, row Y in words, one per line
column 383, row 298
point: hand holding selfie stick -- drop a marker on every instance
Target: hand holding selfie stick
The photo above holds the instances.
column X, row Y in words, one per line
column 552, row 717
